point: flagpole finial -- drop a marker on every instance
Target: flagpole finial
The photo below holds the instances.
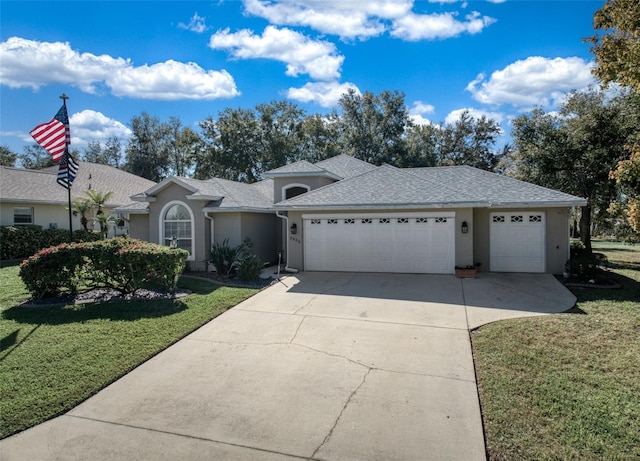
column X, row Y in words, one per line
column 64, row 97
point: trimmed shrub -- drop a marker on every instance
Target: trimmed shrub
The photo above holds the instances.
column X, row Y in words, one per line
column 19, row 242
column 122, row 264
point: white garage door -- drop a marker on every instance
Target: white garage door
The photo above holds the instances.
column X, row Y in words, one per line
column 517, row 242
column 410, row 242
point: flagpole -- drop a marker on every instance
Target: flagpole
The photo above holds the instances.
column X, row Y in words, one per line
column 64, row 98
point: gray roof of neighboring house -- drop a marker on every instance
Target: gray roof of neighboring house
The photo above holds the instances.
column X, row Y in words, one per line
column 19, row 185
column 462, row 186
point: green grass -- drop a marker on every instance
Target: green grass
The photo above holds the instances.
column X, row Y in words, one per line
column 567, row 386
column 53, row 358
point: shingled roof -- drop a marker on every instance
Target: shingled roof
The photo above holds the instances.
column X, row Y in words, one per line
column 19, row 185
column 220, row 194
column 459, row 186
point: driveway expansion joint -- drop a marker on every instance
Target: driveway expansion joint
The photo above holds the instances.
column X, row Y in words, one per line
column 193, row 437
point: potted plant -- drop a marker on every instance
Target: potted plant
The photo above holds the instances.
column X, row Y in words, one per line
column 467, row 272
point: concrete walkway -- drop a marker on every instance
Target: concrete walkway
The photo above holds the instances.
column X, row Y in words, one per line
column 319, row 366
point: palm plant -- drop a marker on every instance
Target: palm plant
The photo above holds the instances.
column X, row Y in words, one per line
column 98, row 199
column 82, row 206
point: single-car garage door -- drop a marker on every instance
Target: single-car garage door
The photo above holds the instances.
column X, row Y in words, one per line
column 391, row 242
column 517, row 242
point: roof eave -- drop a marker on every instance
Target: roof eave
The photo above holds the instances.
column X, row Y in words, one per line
column 237, row 209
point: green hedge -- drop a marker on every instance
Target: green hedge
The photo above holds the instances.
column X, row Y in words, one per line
column 19, row 242
column 123, row 264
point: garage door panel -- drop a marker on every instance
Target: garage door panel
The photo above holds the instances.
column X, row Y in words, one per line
column 517, row 242
column 391, row 243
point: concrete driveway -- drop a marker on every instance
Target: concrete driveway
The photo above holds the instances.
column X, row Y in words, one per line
column 319, row 366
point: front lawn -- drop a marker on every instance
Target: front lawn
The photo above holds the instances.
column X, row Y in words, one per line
column 567, row 386
column 53, row 358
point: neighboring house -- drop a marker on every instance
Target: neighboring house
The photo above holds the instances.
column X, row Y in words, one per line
column 33, row 197
column 343, row 214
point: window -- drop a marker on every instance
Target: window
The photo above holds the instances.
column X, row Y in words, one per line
column 535, row 218
column 367, row 220
column 293, row 190
column 315, row 221
column 22, row 216
column 422, row 220
column 384, row 220
column 332, row 221
column 403, row 220
column 498, row 219
column 349, row 221
column 177, row 226
column 516, row 218
column 441, row 220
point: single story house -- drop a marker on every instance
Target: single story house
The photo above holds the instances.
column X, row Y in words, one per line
column 343, row 214
column 33, row 197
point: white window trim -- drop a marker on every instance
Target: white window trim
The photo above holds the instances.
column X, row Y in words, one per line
column 291, row 186
column 24, row 223
column 192, row 256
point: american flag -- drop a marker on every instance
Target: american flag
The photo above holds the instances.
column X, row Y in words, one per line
column 67, row 171
column 54, row 136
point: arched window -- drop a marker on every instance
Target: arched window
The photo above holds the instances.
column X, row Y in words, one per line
column 177, row 226
column 293, row 190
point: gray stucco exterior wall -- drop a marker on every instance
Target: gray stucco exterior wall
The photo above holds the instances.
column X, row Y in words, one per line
column 314, row 182
column 261, row 229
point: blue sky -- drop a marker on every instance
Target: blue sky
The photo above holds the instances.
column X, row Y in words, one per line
column 193, row 59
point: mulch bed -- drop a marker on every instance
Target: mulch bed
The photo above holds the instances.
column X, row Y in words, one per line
column 104, row 295
column 596, row 282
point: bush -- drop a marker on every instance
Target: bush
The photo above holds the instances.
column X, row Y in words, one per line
column 223, row 257
column 249, row 268
column 19, row 242
column 122, row 264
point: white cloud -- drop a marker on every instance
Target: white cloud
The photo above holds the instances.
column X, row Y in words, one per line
column 454, row 115
column 318, row 59
column 414, row 27
column 363, row 20
column 325, row 94
column 419, row 110
column 171, row 81
column 345, row 19
column 533, row 81
column 33, row 64
column 196, row 24
column 89, row 125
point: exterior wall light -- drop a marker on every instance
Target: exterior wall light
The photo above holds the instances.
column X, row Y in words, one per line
column 465, row 227
column 294, row 228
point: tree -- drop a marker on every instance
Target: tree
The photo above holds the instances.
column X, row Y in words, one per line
column 574, row 150
column 423, row 144
column 147, row 151
column 320, row 137
column 232, row 146
column 7, row 156
column 93, row 152
column 280, row 125
column 617, row 51
column 35, row 157
column 373, row 126
column 470, row 141
column 183, row 145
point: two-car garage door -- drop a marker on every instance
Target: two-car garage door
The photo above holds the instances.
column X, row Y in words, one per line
column 380, row 242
